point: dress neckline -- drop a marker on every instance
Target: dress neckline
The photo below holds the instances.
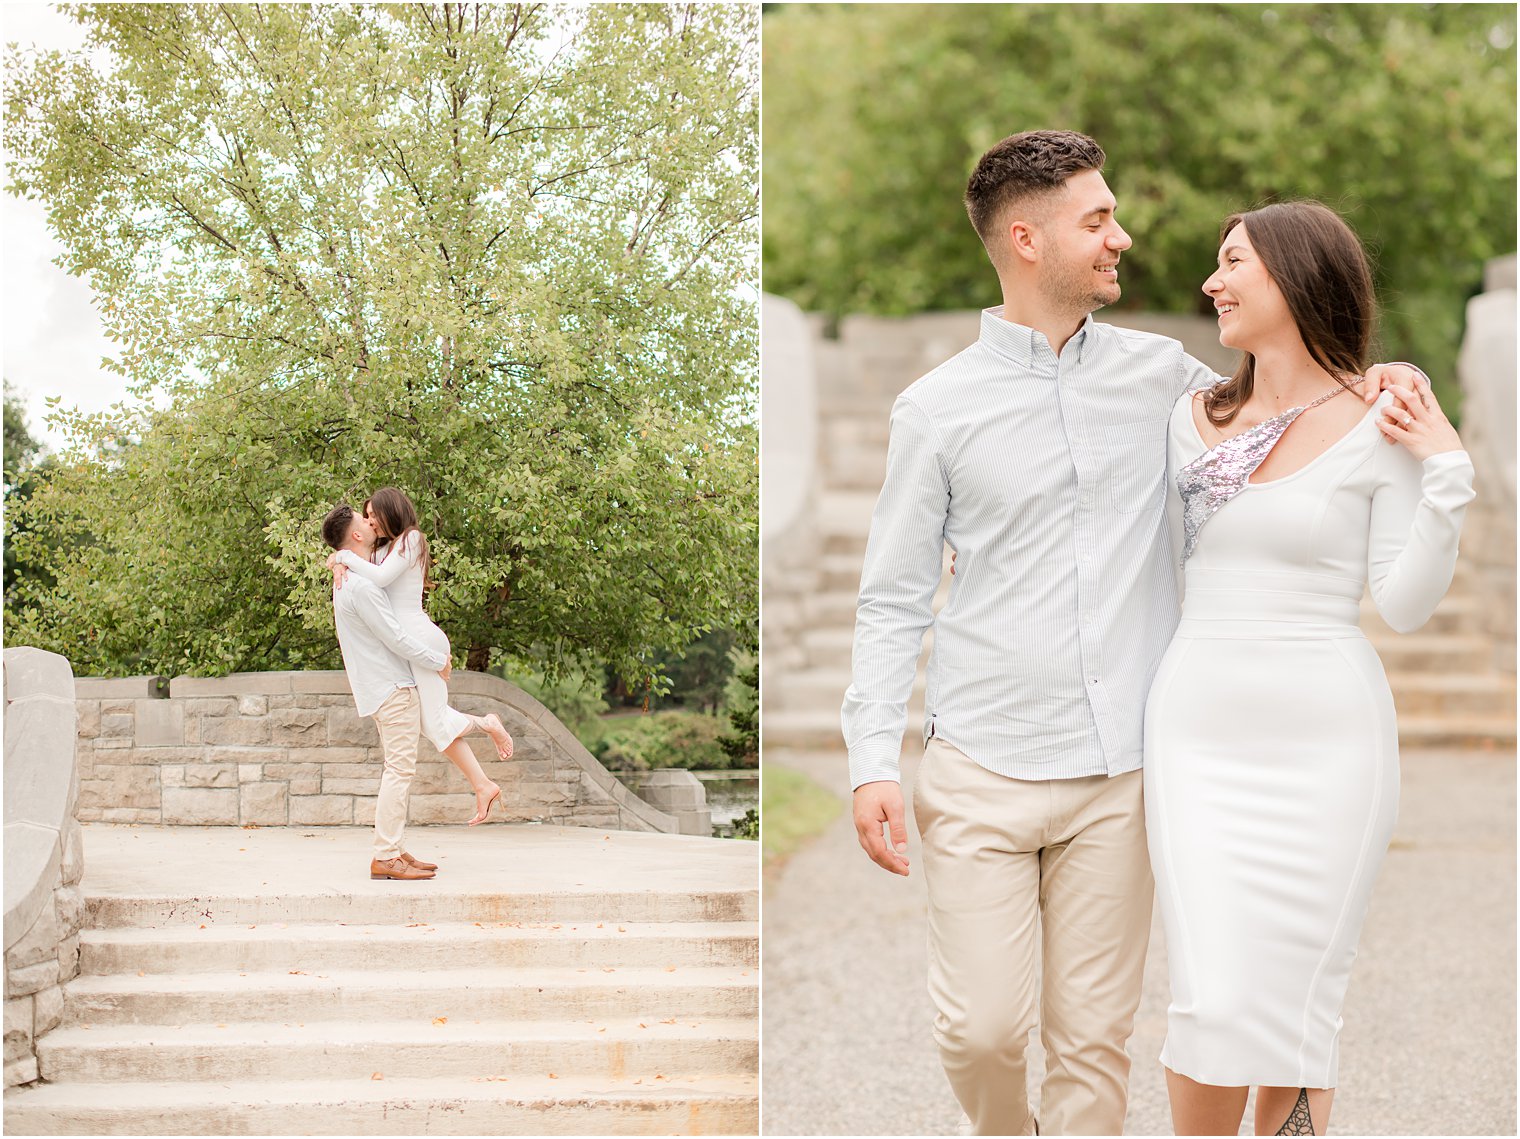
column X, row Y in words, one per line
column 1294, row 413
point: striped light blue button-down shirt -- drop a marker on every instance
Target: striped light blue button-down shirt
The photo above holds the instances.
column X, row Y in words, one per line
column 1046, row 474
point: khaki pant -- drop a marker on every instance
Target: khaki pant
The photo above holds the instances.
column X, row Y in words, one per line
column 1039, row 915
column 399, row 720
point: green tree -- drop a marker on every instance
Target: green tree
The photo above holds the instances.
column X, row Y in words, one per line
column 501, row 256
column 22, row 451
column 743, row 747
column 1401, row 116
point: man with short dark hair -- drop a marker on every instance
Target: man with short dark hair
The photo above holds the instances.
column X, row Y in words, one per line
column 1038, row 454
column 378, row 655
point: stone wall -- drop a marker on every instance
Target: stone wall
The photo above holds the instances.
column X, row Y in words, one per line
column 44, row 854
column 288, row 748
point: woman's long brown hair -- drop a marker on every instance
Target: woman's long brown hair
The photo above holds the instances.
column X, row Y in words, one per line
column 398, row 517
column 1319, row 264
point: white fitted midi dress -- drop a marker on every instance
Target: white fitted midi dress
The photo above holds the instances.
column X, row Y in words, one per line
column 400, row 575
column 1271, row 749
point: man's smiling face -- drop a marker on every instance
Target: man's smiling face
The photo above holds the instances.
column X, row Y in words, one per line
column 1080, row 243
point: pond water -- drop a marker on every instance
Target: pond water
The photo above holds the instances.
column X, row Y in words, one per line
column 729, row 795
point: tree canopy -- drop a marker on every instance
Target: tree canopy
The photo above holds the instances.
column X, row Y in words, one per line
column 500, row 256
column 1400, row 116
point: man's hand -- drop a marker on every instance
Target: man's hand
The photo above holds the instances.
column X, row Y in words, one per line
column 447, row 670
column 877, row 803
column 1381, row 377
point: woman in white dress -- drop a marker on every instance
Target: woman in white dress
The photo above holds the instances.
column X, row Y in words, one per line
column 1271, row 749
column 402, row 572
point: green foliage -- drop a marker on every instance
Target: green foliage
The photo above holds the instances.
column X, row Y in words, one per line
column 500, row 256
column 25, row 462
column 1400, row 116
column 749, row 826
column 743, row 701
column 795, row 810
column 574, row 696
column 659, row 739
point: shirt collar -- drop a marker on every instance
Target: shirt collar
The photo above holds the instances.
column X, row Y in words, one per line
column 1026, row 346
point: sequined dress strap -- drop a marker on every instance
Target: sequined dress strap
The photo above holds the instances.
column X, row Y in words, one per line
column 1221, row 472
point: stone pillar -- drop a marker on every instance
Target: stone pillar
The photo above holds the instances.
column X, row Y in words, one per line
column 44, row 853
column 1486, row 369
column 678, row 792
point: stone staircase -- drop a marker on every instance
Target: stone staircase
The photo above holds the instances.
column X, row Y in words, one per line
column 1447, row 687
column 408, row 1008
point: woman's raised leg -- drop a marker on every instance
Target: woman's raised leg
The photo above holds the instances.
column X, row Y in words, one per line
column 486, row 791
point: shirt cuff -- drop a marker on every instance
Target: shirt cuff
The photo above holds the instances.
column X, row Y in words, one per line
column 873, row 764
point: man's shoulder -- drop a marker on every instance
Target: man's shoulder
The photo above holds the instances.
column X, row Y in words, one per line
column 944, row 379
column 354, row 587
column 1139, row 341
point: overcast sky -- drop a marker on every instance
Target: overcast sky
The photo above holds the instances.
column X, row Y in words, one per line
column 50, row 332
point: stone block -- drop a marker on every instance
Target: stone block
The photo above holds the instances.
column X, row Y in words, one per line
column 171, row 775
column 142, row 756
column 88, row 713
column 308, row 702
column 233, row 730
column 346, row 726
column 321, row 810
column 160, row 723
column 117, row 707
column 47, row 1011
column 124, row 815
column 341, row 786
column 336, row 702
column 89, row 814
column 253, row 706
column 68, row 902
column 211, row 775
column 121, row 688
column 364, row 810
column 298, row 727
column 426, row 809
column 264, row 803
column 68, row 958
column 211, row 706
column 200, row 806
column 328, row 682
column 311, row 786
column 18, row 1027
column 327, row 756
column 543, row 793
column 119, row 743
column 437, row 779
column 285, row 700
column 292, row 770
column 123, row 785
column 236, row 685
column 249, row 772
column 72, row 865
column 369, row 770
column 32, row 978
column 23, row 1071
column 38, row 943
column 242, row 755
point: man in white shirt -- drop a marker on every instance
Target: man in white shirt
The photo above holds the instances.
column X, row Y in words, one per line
column 1038, row 454
column 379, row 656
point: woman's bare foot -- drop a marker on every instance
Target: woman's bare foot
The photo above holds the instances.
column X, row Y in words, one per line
column 499, row 736
column 483, row 800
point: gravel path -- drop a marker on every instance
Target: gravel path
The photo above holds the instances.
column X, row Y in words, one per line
column 1428, row 1046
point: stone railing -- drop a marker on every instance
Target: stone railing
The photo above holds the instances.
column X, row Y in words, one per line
column 288, row 748
column 44, row 859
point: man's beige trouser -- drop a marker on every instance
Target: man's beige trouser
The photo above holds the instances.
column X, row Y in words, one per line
column 399, row 720
column 1024, row 878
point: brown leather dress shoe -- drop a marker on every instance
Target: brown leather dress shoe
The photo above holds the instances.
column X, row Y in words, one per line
column 397, row 868
column 417, row 862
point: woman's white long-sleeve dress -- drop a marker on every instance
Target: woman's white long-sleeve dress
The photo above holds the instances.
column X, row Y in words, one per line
column 1271, row 749
column 400, row 575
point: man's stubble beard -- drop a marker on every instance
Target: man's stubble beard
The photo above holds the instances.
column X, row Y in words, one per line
column 1069, row 289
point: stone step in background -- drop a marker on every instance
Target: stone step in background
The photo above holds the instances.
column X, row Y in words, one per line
column 611, row 987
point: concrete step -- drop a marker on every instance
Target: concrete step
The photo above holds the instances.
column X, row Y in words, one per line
column 494, row 1103
column 1460, row 612
column 1435, row 652
column 696, row 992
column 402, row 902
column 443, row 1048
column 1455, row 697
column 1487, row 733
column 415, row 946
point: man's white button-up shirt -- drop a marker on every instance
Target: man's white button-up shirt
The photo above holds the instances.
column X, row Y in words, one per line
column 1047, row 475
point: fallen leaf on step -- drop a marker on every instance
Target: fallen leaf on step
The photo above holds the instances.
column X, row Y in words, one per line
column 608, row 969
column 203, row 926
column 670, row 1020
column 415, row 924
column 659, row 1077
column 552, row 1076
column 440, row 1020
column 638, row 1081
column 670, row 968
column 643, row 1025
column 377, row 1076
column 142, row 972
column 601, row 1030
column 221, row 1026
column 297, row 972
column 622, row 929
